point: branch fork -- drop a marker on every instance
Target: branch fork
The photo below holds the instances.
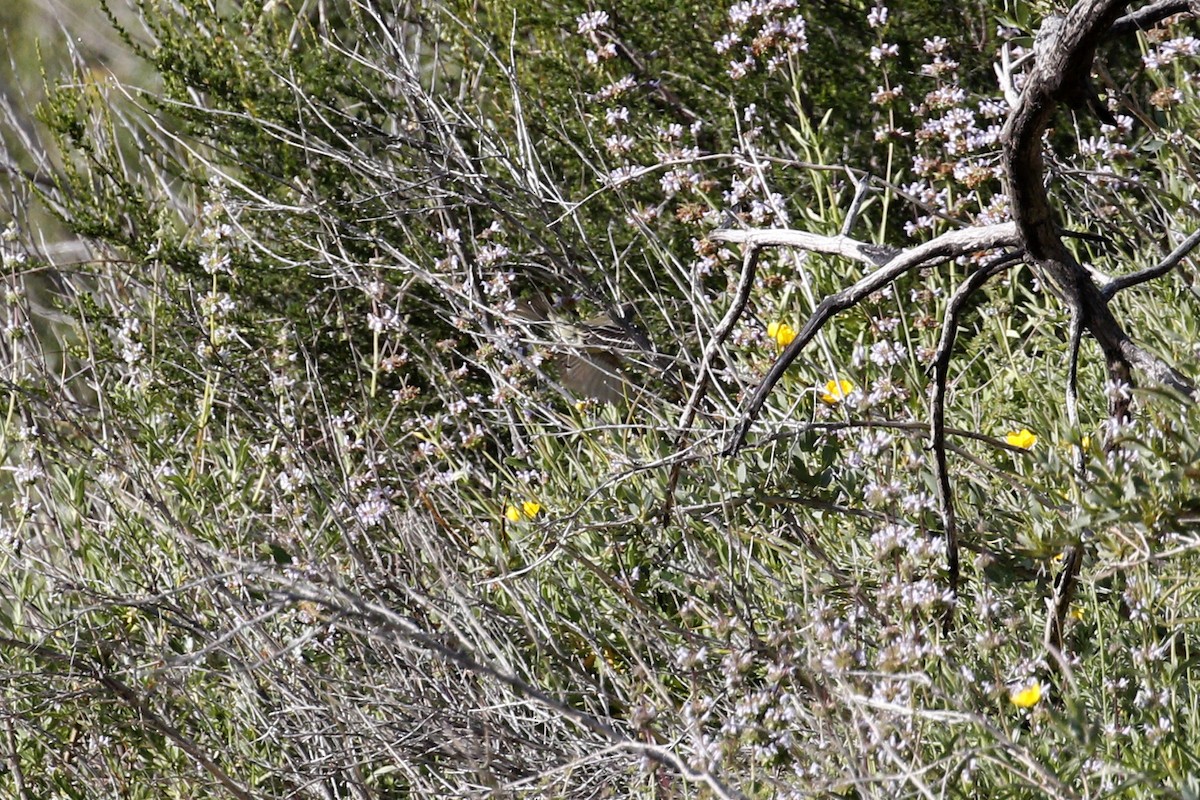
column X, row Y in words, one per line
column 1061, row 75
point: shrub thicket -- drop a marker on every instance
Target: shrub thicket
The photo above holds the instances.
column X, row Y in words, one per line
column 304, row 498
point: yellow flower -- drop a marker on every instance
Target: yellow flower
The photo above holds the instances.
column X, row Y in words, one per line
column 1083, row 444
column 836, row 391
column 782, row 333
column 1027, row 696
column 1023, row 438
column 1077, row 613
column 528, row 509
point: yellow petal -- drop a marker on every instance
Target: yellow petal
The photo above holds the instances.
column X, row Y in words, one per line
column 836, row 391
column 1083, row 444
column 512, row 514
column 531, row 508
column 1028, row 696
column 782, row 333
column 1023, row 438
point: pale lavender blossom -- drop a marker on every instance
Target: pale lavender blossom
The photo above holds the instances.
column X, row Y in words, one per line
column 880, row 52
column 371, row 511
column 619, row 144
column 591, row 22
column 616, row 116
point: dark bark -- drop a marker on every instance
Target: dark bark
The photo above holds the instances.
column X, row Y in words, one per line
column 1062, row 75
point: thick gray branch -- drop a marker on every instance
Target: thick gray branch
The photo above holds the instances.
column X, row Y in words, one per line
column 874, row 255
column 1061, row 74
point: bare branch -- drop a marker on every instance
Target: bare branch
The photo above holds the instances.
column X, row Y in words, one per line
column 724, row 328
column 873, row 255
column 860, row 194
column 1061, row 75
column 1068, row 576
column 949, row 245
column 1157, row 271
column 1157, row 370
column 1150, row 15
column 937, row 425
column 1065, row 584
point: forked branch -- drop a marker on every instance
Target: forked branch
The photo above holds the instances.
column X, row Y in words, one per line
column 1065, row 50
column 948, row 246
column 1061, row 75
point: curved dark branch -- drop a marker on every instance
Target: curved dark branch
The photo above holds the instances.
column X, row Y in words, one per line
column 1150, row 15
column 1068, row 576
column 1074, row 342
column 937, row 425
column 1061, row 74
column 949, row 245
column 1065, row 584
column 1157, row 271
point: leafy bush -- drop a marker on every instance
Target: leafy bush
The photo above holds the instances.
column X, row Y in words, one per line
column 305, row 496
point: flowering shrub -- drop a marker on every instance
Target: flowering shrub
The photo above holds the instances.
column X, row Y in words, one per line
column 375, row 448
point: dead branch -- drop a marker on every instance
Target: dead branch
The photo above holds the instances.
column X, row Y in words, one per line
column 1061, row 75
column 1065, row 50
column 872, row 255
column 724, row 328
column 937, row 425
column 1157, row 271
column 1150, row 15
column 943, row 248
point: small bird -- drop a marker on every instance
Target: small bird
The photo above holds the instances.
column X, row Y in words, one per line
column 589, row 358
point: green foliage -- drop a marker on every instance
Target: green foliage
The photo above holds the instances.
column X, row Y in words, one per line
column 305, row 500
